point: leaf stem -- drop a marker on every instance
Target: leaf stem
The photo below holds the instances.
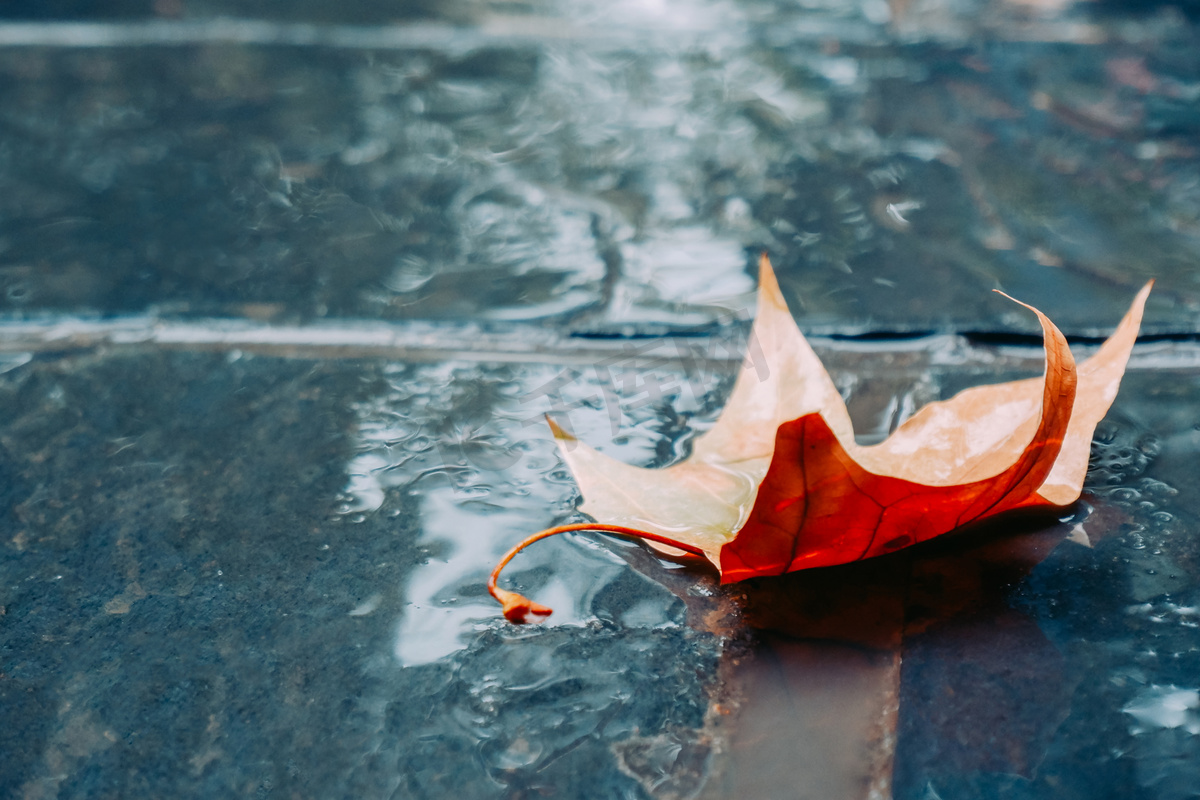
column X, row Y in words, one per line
column 520, row 609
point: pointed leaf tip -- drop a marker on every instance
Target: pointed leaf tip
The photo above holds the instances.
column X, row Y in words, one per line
column 559, row 432
column 768, row 285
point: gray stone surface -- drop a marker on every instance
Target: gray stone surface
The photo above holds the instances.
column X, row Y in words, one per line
column 558, row 162
column 189, row 609
column 282, row 305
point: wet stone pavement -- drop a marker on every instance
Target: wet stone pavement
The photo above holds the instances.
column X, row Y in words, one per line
column 286, row 290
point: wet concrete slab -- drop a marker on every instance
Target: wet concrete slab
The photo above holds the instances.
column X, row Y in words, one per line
column 285, row 301
column 231, row 572
column 605, row 170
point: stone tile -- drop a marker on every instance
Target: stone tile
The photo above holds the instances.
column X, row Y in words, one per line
column 270, row 571
column 284, row 301
column 623, row 177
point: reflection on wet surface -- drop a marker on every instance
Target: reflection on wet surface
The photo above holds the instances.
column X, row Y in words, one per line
column 898, row 160
column 289, row 549
column 284, row 304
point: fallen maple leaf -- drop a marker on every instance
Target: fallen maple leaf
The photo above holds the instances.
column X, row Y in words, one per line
column 779, row 484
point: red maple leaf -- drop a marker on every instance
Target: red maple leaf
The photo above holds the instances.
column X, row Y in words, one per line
column 779, row 483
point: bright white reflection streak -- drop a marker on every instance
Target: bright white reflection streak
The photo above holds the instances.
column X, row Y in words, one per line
column 434, row 620
column 1158, row 707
